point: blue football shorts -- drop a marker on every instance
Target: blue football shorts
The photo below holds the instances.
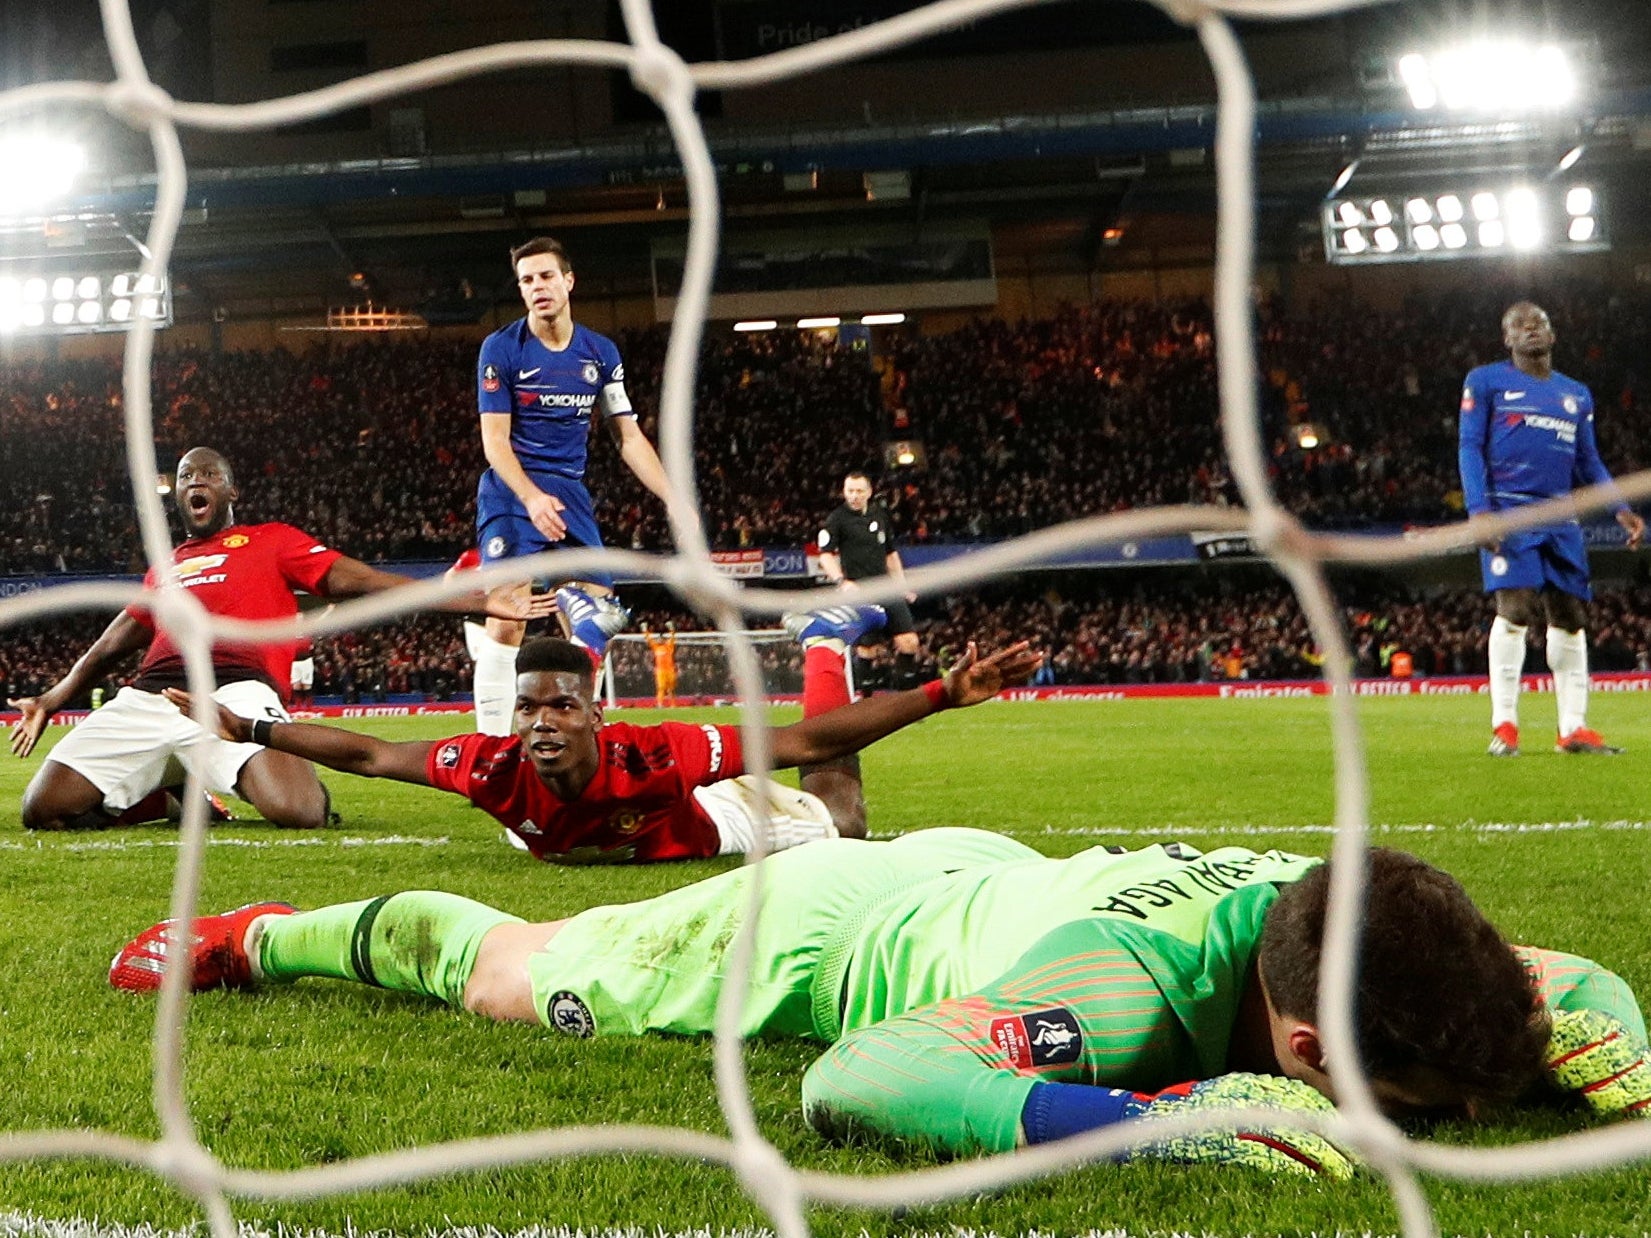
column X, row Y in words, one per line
column 503, row 530
column 1554, row 556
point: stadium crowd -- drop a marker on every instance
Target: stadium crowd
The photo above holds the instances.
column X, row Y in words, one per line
column 1100, row 629
column 374, row 449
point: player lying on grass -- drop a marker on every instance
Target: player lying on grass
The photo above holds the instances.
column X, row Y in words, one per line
column 978, row 996
column 577, row 789
column 113, row 768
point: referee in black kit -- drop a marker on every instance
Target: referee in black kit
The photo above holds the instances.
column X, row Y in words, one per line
column 858, row 544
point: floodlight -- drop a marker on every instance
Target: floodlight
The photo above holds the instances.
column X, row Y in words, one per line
column 1491, row 234
column 72, row 302
column 11, row 292
column 1418, row 80
column 818, row 324
column 1418, row 211
column 1485, row 206
column 882, row 320
column 1426, row 237
column 1381, row 213
column 63, row 313
column 1353, row 241
column 63, row 288
column 1493, row 76
column 148, row 284
column 1351, row 215
column 1450, row 208
column 34, row 315
column 11, row 317
column 1567, row 161
column 1581, row 229
column 121, row 285
column 1454, row 236
column 1579, row 200
column 35, row 170
column 88, row 288
column 89, row 312
column 150, row 307
column 121, row 310
column 756, row 324
column 34, row 289
column 1386, row 240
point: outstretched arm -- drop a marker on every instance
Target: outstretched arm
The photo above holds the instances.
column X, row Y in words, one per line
column 1598, row 1048
column 120, row 639
column 839, row 732
column 334, row 747
column 352, row 578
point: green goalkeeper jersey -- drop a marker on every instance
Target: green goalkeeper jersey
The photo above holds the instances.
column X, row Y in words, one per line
column 1137, row 986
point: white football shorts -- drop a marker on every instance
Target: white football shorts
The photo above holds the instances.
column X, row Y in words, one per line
column 303, row 674
column 794, row 817
column 140, row 741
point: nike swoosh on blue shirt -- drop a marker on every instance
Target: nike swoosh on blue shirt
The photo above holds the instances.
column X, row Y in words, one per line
column 1506, row 395
column 523, row 375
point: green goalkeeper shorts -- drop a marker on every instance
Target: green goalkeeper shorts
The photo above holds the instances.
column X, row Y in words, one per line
column 659, row 965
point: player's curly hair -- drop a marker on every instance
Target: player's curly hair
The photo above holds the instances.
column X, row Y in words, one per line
column 1440, row 992
column 553, row 654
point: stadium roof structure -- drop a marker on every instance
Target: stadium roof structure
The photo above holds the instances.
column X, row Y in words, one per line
column 265, row 234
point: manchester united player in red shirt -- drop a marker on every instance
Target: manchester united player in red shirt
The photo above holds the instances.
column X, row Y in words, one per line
column 578, row 790
column 140, row 741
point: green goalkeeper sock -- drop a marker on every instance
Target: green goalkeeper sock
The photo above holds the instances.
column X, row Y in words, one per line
column 422, row 941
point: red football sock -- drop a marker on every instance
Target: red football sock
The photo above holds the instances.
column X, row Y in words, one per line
column 825, row 681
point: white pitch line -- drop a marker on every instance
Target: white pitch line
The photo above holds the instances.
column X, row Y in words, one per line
column 142, row 844
column 1250, row 831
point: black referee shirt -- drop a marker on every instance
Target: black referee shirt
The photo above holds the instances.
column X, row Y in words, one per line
column 861, row 539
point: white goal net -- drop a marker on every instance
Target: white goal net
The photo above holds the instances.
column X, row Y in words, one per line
column 179, row 1154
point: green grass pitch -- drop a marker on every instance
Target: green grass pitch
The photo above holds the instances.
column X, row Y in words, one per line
column 1556, row 848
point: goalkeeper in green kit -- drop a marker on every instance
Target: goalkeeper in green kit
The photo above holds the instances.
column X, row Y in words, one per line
column 977, row 996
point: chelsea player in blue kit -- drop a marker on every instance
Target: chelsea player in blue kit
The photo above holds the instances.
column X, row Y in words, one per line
column 539, row 383
column 1526, row 435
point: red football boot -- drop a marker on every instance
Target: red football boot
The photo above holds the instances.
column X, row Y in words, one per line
column 217, row 948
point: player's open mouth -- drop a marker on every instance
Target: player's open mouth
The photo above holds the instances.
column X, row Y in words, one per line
column 549, row 749
column 199, row 502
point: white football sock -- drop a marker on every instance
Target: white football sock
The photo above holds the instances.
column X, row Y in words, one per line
column 1568, row 659
column 495, row 686
column 1507, row 662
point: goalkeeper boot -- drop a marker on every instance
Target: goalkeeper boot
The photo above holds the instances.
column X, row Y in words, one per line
column 1584, row 740
column 1596, row 1056
column 593, row 620
column 1275, row 1148
column 218, row 950
column 1504, row 740
column 841, row 623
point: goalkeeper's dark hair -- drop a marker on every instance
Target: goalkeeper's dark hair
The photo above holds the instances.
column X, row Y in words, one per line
column 553, row 654
column 1438, row 988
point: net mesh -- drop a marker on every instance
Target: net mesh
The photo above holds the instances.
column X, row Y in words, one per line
column 179, row 1155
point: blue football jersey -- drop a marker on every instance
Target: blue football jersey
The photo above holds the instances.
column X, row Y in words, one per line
column 549, row 394
column 1525, row 439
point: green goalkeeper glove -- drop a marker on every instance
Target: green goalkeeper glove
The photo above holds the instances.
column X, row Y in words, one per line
column 1594, row 1054
column 1277, row 1149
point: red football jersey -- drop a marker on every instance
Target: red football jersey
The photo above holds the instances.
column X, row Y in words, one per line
column 247, row 571
column 639, row 806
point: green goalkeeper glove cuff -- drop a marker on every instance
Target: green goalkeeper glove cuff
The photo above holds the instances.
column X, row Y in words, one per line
column 1276, row 1149
column 1595, row 1055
